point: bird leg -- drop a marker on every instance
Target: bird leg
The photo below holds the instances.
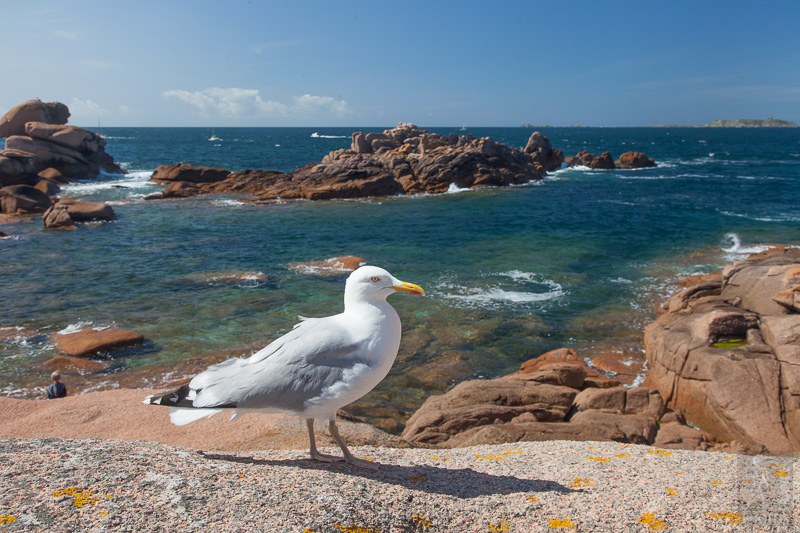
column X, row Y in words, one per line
column 325, row 458
column 334, row 431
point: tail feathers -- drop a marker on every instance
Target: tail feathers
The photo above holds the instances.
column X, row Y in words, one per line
column 181, row 396
column 181, row 416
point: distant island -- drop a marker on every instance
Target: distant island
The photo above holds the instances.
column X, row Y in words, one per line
column 741, row 123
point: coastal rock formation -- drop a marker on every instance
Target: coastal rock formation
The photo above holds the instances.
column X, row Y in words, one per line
column 39, row 130
column 605, row 161
column 18, row 168
column 184, row 172
column 13, row 122
column 184, row 180
column 64, row 213
column 90, row 342
column 726, row 352
column 407, row 160
column 23, row 200
column 553, row 397
column 402, row 160
column 634, row 160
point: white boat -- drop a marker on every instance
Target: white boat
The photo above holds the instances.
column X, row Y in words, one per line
column 213, row 136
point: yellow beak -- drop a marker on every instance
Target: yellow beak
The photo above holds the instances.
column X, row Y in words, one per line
column 410, row 288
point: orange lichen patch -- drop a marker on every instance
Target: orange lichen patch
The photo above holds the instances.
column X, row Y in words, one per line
column 533, row 499
column 354, row 529
column 621, row 455
column 422, row 521
column 499, row 456
column 714, row 482
column 80, row 497
column 779, row 472
column 598, row 459
column 497, row 528
column 728, row 518
column 652, row 521
column 579, row 483
column 665, row 453
column 421, row 477
column 7, row 519
column 672, row 492
column 562, row 522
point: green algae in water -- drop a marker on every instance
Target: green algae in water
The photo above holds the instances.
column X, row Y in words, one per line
column 730, row 344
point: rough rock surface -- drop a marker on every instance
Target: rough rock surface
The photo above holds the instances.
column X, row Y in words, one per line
column 402, row 160
column 18, row 168
column 64, row 213
column 13, row 122
column 552, row 397
column 634, row 160
column 726, row 352
column 90, row 342
column 39, row 129
column 605, row 161
column 23, row 199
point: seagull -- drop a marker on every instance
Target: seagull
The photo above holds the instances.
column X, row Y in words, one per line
column 319, row 366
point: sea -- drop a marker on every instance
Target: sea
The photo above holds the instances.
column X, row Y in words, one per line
column 581, row 259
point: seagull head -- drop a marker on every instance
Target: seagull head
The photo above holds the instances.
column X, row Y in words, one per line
column 373, row 284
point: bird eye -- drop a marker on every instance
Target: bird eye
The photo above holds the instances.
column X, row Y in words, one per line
column 374, row 279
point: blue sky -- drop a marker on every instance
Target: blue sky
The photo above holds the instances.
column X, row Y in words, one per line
column 376, row 63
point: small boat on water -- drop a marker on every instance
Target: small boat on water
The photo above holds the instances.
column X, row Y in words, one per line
column 213, row 136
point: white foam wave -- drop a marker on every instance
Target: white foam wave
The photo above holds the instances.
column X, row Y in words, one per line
column 525, row 288
column 316, row 135
column 737, row 250
column 227, row 202
column 80, row 326
column 131, row 180
column 453, row 188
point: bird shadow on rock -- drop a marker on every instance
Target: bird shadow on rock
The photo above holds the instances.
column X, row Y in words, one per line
column 458, row 482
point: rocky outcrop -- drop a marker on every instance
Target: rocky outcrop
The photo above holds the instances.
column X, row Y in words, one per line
column 18, row 168
column 605, row 161
column 39, row 129
column 726, row 352
column 184, row 180
column 553, row 397
column 543, row 153
column 634, row 160
column 23, row 200
column 402, row 160
column 13, row 122
column 184, row 172
column 91, row 342
column 64, row 214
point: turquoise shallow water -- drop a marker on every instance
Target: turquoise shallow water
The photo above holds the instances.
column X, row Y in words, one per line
column 576, row 260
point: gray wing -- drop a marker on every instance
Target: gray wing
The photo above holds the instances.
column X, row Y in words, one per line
column 290, row 370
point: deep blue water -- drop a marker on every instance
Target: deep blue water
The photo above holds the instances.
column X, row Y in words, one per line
column 577, row 260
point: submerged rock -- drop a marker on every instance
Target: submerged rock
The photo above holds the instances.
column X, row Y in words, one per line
column 334, row 266
column 90, row 342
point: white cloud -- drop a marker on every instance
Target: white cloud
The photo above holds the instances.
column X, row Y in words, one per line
column 85, row 111
column 234, row 102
